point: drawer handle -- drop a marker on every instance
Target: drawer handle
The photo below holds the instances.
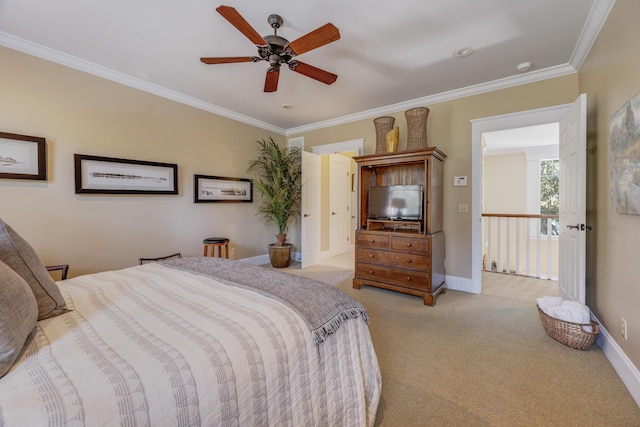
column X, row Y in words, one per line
column 408, row 278
column 409, row 244
column 409, row 261
column 372, row 256
column 371, row 272
column 372, row 240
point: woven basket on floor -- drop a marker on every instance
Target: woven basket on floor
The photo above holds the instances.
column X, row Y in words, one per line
column 570, row 334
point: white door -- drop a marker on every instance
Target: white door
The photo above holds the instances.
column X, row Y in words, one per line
column 339, row 215
column 573, row 189
column 311, row 213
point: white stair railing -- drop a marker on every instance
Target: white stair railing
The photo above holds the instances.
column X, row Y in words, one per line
column 516, row 239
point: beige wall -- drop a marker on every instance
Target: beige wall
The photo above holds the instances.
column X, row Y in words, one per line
column 80, row 113
column 449, row 128
column 505, row 184
column 610, row 77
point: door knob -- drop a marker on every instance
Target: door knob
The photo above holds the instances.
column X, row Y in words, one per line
column 306, row 215
column 334, row 213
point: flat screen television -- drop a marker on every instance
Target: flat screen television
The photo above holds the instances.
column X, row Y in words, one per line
column 399, row 202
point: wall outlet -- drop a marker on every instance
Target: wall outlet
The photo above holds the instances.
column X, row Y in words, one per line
column 232, row 252
column 463, row 208
column 623, row 327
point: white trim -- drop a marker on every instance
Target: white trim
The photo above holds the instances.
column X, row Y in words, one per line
column 257, row 260
column 461, row 284
column 625, row 369
column 43, row 52
column 596, row 19
column 56, row 56
column 490, row 124
column 507, row 82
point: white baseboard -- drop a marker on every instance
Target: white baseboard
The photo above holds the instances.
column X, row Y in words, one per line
column 625, row 369
column 257, row 260
column 462, row 284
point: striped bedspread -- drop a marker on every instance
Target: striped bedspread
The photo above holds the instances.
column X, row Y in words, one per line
column 158, row 346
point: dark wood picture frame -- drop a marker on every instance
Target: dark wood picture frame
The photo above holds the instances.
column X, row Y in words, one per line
column 218, row 189
column 110, row 175
column 23, row 157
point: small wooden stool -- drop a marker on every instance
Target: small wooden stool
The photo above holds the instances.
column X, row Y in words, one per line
column 216, row 242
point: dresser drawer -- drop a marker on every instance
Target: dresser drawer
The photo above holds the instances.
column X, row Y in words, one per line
column 411, row 244
column 397, row 259
column 405, row 278
column 372, row 241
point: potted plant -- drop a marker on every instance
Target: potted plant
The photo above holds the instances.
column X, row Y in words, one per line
column 279, row 173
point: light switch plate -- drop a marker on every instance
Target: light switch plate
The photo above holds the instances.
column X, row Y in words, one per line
column 459, row 181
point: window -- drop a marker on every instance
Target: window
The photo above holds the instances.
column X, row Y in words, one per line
column 543, row 187
column 549, row 194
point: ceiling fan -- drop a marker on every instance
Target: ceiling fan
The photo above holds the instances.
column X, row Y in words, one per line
column 277, row 50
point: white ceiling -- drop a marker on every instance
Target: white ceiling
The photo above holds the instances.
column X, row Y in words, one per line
column 391, row 55
column 520, row 139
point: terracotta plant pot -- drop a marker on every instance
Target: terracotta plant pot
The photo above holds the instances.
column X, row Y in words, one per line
column 280, row 256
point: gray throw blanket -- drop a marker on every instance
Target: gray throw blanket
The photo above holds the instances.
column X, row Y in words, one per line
column 323, row 307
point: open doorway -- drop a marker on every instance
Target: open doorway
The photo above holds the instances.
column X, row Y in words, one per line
column 484, row 126
column 520, row 201
column 335, row 231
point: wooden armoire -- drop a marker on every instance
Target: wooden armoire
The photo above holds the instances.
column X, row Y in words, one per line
column 402, row 255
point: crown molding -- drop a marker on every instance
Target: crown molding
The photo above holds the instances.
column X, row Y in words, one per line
column 507, row 82
column 596, row 19
column 62, row 58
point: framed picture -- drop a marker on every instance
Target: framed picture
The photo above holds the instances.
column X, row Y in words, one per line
column 624, row 158
column 23, row 157
column 107, row 175
column 209, row 189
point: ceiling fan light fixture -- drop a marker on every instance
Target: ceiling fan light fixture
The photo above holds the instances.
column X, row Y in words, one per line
column 463, row 52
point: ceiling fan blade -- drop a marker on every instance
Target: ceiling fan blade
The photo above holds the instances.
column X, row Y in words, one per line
column 271, row 82
column 227, row 60
column 319, row 37
column 313, row 72
column 231, row 14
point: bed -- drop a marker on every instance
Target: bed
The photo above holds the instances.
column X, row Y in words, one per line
column 195, row 341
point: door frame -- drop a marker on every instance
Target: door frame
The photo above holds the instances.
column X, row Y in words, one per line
column 478, row 127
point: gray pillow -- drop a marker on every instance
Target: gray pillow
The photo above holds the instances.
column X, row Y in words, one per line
column 18, row 316
column 20, row 256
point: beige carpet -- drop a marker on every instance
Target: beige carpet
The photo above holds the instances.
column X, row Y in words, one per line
column 481, row 360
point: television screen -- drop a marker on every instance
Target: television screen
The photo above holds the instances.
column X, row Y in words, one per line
column 395, row 202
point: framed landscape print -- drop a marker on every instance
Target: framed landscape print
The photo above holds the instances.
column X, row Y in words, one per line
column 208, row 189
column 22, row 157
column 108, row 175
column 624, row 158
